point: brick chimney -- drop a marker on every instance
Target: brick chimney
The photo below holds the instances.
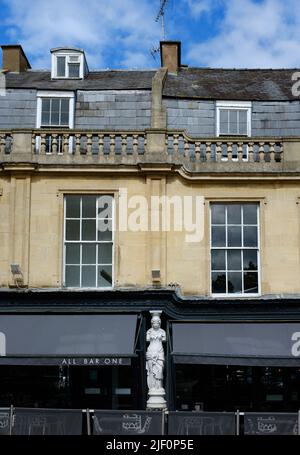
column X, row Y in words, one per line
column 14, row 58
column 170, row 55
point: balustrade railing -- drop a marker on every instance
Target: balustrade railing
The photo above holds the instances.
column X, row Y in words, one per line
column 224, row 149
column 132, row 147
column 88, row 143
column 6, row 141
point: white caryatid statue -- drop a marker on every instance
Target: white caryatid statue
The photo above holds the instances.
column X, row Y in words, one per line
column 155, row 360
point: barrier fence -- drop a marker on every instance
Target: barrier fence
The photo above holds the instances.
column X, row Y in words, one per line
column 37, row 421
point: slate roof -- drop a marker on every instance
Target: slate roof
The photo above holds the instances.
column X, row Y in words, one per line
column 96, row 80
column 232, row 84
column 201, row 83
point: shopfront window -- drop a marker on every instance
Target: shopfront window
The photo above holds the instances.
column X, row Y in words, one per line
column 234, row 248
column 228, row 388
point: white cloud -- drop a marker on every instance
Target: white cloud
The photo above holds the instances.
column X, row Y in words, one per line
column 199, row 7
column 253, row 34
column 114, row 30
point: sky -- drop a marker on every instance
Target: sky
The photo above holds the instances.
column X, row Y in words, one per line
column 120, row 34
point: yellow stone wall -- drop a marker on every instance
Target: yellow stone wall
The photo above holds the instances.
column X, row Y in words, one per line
column 31, row 228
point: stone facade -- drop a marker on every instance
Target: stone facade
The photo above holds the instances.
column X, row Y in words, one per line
column 33, row 185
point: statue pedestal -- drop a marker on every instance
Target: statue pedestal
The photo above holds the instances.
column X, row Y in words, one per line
column 156, row 399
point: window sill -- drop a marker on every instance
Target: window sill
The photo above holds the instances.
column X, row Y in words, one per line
column 232, row 296
column 111, row 288
column 68, row 78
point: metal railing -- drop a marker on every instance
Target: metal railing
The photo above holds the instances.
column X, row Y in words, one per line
column 37, row 421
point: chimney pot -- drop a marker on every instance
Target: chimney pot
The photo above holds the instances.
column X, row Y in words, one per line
column 14, row 58
column 170, row 55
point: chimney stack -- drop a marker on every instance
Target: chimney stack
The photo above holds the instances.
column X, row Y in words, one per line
column 170, row 55
column 14, row 58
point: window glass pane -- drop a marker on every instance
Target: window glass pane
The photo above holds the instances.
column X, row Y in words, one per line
column 72, row 230
column 54, row 119
column 72, row 277
column 45, row 121
column 234, row 282
column 88, row 206
column 250, row 259
column 242, row 122
column 243, row 129
column 73, row 253
column 218, row 260
column 250, row 213
column 73, row 206
column 88, row 229
column 218, row 214
column 218, row 236
column 46, row 104
column 64, row 119
column 64, row 111
column 243, row 116
column 224, row 121
column 105, row 253
column 88, row 278
column 74, row 69
column 55, row 104
column 234, row 260
column 250, row 236
column 233, row 128
column 45, row 111
column 218, row 283
column 89, row 253
column 104, row 275
column 234, row 236
column 234, row 214
column 251, row 282
column 105, row 204
column 104, row 230
column 65, row 105
column 61, row 65
column 55, row 108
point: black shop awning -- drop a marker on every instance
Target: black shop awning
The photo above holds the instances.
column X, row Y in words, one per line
column 261, row 344
column 106, row 339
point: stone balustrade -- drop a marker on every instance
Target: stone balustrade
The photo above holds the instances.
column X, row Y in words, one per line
column 220, row 149
column 217, row 154
column 88, row 143
column 6, row 138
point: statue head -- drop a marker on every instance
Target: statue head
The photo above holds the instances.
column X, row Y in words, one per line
column 155, row 322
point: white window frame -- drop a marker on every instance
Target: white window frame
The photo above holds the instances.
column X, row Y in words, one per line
column 258, row 248
column 55, row 94
column 67, row 55
column 233, row 105
column 113, row 220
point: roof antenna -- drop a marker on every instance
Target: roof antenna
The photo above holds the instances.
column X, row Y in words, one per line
column 161, row 14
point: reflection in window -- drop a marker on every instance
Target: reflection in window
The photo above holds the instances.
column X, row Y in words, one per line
column 88, row 241
column 234, row 248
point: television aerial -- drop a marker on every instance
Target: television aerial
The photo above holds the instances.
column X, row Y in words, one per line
column 160, row 15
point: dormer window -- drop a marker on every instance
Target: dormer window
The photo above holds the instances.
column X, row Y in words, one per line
column 68, row 64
